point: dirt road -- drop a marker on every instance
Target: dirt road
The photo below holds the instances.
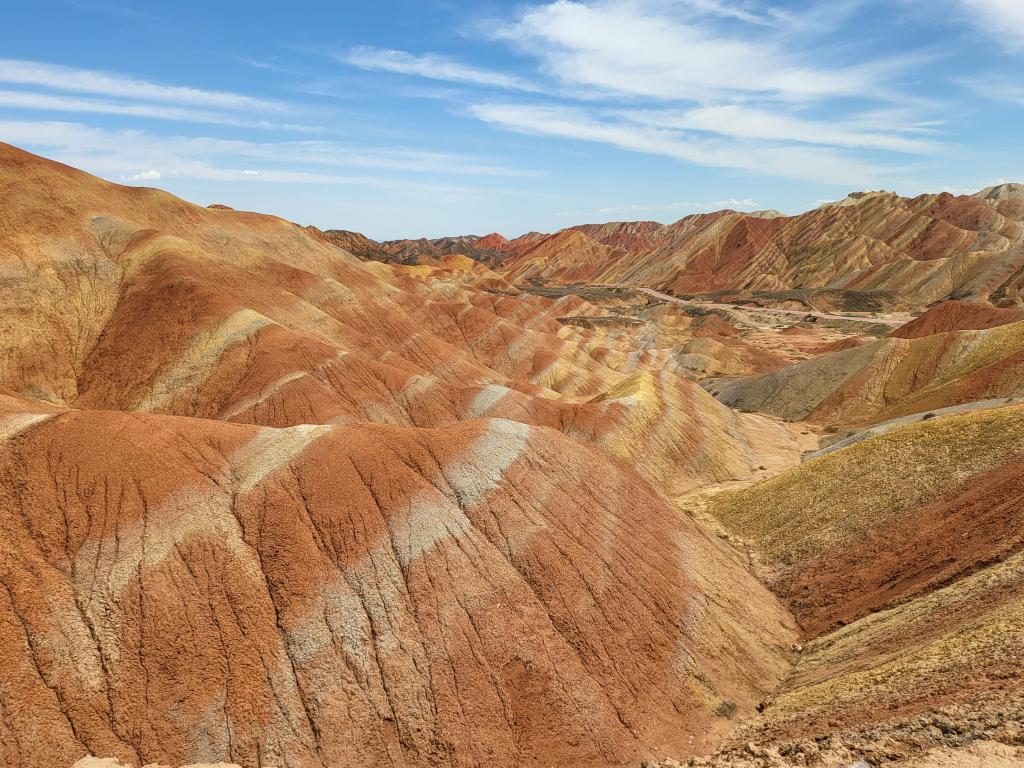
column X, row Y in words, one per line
column 797, row 312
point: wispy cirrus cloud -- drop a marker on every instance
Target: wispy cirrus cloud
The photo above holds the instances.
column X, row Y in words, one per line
column 996, row 87
column 789, row 161
column 133, row 155
column 1002, row 20
column 720, row 83
column 432, row 66
column 113, row 84
column 77, row 104
column 644, row 49
column 750, row 13
column 57, row 88
column 745, row 122
column 674, row 208
column 744, row 204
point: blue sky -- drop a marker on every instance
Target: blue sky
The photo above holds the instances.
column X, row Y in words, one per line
column 434, row 117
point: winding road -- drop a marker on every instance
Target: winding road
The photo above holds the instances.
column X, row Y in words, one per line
column 798, row 312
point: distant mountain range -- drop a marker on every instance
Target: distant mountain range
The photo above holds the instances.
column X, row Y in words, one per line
column 901, row 251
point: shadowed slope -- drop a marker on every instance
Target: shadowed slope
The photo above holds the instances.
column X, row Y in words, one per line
column 889, row 378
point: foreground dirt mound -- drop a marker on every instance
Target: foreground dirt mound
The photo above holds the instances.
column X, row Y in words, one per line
column 932, row 682
column 318, row 596
column 957, row 316
column 889, row 378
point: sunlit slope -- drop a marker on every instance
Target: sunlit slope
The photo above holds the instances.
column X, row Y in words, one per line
column 268, row 503
column 888, row 518
column 902, row 557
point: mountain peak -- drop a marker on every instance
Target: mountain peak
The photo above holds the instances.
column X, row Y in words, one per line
column 1005, row 191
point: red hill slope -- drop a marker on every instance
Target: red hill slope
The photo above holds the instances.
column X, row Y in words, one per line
column 957, row 316
column 920, row 250
column 267, row 503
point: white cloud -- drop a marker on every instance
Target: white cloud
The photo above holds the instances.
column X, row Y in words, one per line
column 634, row 209
column 151, row 175
column 724, row 83
column 120, row 154
column 270, row 64
column 995, row 87
column 732, row 202
column 1003, row 20
column 799, row 162
column 746, row 12
column 77, row 104
column 674, row 207
column 641, row 49
column 431, row 66
column 751, row 123
column 75, row 80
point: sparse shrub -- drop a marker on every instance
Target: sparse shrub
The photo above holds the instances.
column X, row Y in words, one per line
column 726, row 709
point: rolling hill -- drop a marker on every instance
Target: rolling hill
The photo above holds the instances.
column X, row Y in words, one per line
column 277, row 496
column 269, row 503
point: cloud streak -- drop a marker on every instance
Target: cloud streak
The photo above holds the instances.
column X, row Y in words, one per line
column 744, row 204
column 133, row 155
column 744, row 122
column 432, row 67
column 812, row 163
column 77, row 104
column 76, row 80
column 710, row 82
column 996, row 88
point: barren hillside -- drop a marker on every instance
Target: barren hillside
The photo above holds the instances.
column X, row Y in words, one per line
column 274, row 496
